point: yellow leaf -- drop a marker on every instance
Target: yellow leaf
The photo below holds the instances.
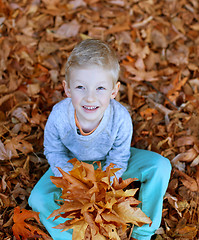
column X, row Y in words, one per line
column 110, row 217
column 79, row 230
column 195, row 26
column 130, row 214
column 89, row 218
column 112, row 233
column 110, row 202
column 121, row 193
column 98, row 236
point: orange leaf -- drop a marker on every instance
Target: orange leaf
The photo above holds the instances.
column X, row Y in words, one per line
column 73, row 181
column 121, row 184
column 148, row 113
column 24, row 230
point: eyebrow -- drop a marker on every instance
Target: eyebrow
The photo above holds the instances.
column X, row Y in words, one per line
column 82, row 81
column 78, row 81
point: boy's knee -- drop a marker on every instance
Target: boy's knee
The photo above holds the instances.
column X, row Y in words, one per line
column 40, row 200
column 34, row 200
column 37, row 201
column 163, row 167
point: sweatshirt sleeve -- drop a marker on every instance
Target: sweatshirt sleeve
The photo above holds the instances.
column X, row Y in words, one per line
column 55, row 151
column 120, row 151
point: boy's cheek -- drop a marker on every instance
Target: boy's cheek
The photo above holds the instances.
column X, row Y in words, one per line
column 75, row 101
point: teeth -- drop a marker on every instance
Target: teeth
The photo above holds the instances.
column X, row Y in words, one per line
column 90, row 108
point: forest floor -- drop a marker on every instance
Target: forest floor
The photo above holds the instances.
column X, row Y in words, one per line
column 157, row 43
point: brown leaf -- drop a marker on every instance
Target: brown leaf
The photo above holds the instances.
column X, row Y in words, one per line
column 50, row 4
column 189, row 232
column 117, row 28
column 17, row 143
column 140, row 75
column 76, row 3
column 67, row 30
column 158, row 39
column 5, row 154
column 187, row 156
column 33, row 89
column 188, row 181
column 178, row 23
column 5, row 201
column 186, row 140
column 178, row 56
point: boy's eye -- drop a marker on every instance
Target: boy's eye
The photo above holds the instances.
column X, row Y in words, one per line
column 100, row 88
column 80, row 87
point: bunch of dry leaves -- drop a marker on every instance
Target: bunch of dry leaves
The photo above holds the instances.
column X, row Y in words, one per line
column 157, row 43
column 97, row 209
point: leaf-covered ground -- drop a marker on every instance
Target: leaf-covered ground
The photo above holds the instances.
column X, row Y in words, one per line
column 157, row 43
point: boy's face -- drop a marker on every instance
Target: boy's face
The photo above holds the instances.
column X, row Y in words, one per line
column 90, row 89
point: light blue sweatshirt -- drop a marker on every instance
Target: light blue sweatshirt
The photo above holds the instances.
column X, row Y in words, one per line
column 110, row 141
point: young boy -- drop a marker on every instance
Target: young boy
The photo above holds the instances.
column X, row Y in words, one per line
column 91, row 126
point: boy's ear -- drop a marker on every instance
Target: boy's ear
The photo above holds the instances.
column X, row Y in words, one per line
column 115, row 90
column 66, row 88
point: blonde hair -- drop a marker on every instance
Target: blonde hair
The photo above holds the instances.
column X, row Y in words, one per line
column 93, row 52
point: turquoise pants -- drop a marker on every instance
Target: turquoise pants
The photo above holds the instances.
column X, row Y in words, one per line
column 152, row 170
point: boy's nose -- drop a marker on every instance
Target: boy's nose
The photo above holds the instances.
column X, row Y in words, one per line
column 90, row 96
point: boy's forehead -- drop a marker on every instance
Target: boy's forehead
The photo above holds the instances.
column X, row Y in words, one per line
column 89, row 71
column 89, row 67
column 94, row 71
column 91, row 74
column 88, row 81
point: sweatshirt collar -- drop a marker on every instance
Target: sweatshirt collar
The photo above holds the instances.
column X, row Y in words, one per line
column 80, row 129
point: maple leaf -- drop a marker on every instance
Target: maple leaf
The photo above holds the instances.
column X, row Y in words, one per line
column 95, row 207
column 131, row 214
column 24, row 230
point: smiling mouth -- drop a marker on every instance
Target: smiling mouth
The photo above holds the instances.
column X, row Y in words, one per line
column 90, row 108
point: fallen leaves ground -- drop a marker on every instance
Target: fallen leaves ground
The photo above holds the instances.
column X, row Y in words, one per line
column 158, row 47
